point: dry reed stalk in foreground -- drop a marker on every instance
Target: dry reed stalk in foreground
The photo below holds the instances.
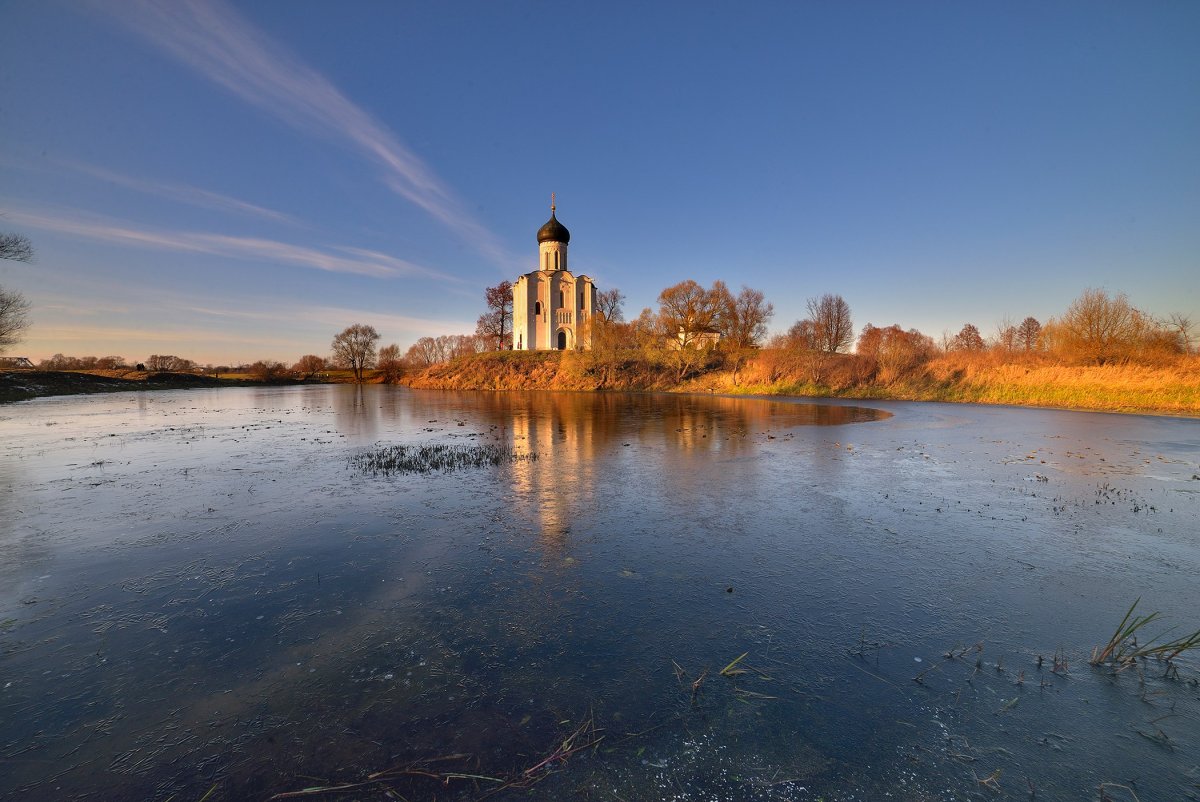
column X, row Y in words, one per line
column 1123, row 650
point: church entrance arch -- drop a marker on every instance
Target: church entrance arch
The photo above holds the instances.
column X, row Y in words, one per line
column 562, row 339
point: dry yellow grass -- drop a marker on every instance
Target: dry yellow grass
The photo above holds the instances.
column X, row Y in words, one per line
column 1172, row 388
column 545, row 370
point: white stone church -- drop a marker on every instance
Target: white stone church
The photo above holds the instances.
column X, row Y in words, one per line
column 551, row 306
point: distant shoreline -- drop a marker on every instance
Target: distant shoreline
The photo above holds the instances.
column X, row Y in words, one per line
column 23, row 385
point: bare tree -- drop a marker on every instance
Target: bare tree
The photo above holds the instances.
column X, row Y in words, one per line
column 354, row 348
column 687, row 311
column 466, row 344
column 1028, row 333
column 1182, row 325
column 13, row 306
column 968, row 339
column 743, row 321
column 1006, row 335
column 610, row 304
column 168, row 362
column 15, row 247
column 390, row 363
column 425, row 352
column 56, row 362
column 644, row 329
column 803, row 335
column 268, row 370
column 435, row 350
column 13, row 320
column 309, row 365
column 894, row 350
column 606, row 330
column 495, row 325
column 110, row 362
column 834, row 329
column 1099, row 328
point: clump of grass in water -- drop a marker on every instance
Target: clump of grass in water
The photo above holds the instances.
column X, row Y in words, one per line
column 1123, row 650
column 388, row 460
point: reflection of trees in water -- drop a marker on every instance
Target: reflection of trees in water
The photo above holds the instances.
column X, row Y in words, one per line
column 577, row 435
column 352, row 412
column 362, row 411
column 580, row 438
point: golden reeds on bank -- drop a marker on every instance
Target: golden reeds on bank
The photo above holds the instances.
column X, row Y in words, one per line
column 1169, row 386
column 1166, row 386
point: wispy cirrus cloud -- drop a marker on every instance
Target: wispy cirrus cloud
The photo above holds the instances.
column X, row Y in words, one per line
column 93, row 337
column 334, row 259
column 332, row 317
column 219, row 44
column 182, row 193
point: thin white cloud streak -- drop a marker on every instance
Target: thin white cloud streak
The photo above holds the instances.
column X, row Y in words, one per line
column 151, row 338
column 182, row 193
column 214, row 40
column 91, row 309
column 337, row 318
column 277, row 331
column 367, row 263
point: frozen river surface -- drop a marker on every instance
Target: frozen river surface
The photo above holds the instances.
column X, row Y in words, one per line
column 201, row 594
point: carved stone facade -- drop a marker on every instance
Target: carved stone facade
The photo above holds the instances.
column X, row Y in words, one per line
column 551, row 306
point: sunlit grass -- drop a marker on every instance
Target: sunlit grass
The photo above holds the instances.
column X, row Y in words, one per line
column 1170, row 387
column 1120, row 388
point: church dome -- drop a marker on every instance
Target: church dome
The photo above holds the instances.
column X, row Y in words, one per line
column 553, row 231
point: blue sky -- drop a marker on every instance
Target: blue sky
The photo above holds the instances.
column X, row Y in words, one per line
column 236, row 181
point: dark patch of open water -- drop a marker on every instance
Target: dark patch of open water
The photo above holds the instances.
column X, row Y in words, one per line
column 198, row 590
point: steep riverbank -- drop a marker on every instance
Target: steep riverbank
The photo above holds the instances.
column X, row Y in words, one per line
column 1163, row 390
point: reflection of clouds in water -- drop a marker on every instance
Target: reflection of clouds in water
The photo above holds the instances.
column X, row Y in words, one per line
column 474, row 612
column 23, row 552
column 229, row 471
column 7, row 496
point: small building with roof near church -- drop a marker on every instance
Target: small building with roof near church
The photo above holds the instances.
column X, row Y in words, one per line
column 552, row 307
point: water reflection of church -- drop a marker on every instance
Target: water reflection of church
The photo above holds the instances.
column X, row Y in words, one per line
column 580, row 440
column 565, row 431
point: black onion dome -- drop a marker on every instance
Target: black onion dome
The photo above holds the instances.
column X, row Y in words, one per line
column 553, row 231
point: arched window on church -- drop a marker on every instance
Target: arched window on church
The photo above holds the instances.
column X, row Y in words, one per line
column 562, row 298
column 537, row 307
column 581, row 300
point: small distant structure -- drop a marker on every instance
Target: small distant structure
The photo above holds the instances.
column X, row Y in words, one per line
column 701, row 339
column 551, row 306
column 15, row 362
